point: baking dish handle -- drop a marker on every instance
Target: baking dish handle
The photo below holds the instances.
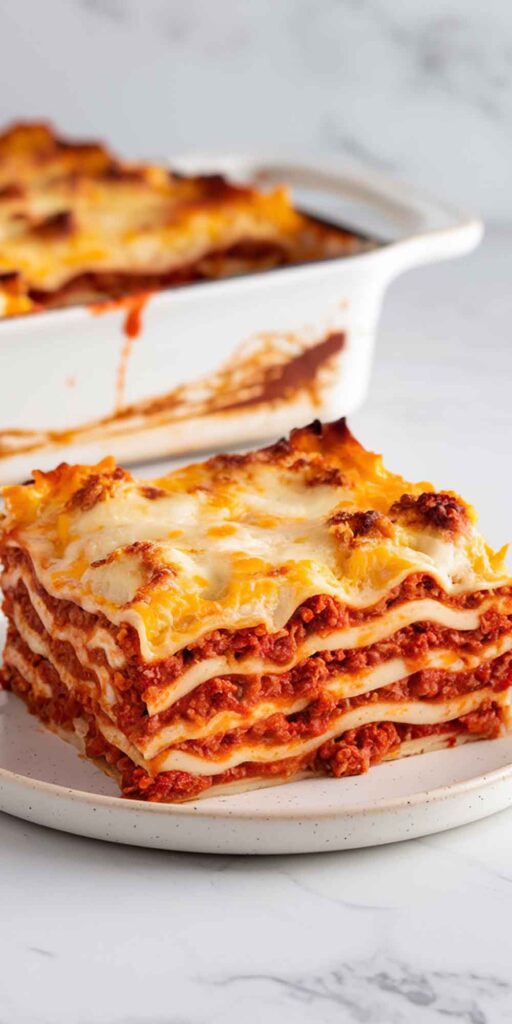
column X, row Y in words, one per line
column 432, row 229
column 422, row 228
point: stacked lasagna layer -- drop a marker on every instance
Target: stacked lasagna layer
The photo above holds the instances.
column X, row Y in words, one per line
column 291, row 612
column 78, row 225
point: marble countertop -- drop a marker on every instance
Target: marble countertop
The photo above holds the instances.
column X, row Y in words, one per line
column 91, row 933
column 422, row 90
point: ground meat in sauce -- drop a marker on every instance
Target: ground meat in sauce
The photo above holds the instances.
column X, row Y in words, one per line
column 321, row 713
column 240, row 694
column 305, row 681
column 354, row 752
column 351, row 754
column 321, row 614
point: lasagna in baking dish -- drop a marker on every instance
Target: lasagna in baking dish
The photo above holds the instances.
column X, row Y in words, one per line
column 77, row 225
column 292, row 612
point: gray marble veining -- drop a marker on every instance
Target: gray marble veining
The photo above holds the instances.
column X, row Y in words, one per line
column 424, row 90
column 383, row 990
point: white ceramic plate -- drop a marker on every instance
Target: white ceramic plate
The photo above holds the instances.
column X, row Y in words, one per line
column 42, row 779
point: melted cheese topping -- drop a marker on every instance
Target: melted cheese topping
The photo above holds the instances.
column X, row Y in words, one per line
column 241, row 541
column 72, row 209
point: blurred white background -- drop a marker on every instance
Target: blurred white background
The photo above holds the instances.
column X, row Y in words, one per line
column 423, row 90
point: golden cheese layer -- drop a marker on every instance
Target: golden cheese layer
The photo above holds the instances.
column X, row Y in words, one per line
column 242, row 540
column 71, row 212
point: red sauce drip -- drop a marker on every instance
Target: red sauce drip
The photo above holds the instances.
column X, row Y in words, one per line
column 132, row 327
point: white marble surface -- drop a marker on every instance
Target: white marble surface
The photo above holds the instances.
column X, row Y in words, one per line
column 421, row 89
column 419, row 932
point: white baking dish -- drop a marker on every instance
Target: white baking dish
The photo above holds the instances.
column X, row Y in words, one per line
column 225, row 362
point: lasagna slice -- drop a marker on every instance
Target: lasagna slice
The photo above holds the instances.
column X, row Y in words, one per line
column 292, row 612
column 78, row 225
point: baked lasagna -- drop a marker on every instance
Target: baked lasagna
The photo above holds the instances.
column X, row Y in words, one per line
column 292, row 612
column 78, row 225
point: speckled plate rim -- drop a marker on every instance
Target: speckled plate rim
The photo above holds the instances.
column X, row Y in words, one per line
column 204, row 808
column 285, row 819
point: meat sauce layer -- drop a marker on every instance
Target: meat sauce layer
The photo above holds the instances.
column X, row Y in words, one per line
column 319, row 615
column 351, row 754
column 306, row 681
